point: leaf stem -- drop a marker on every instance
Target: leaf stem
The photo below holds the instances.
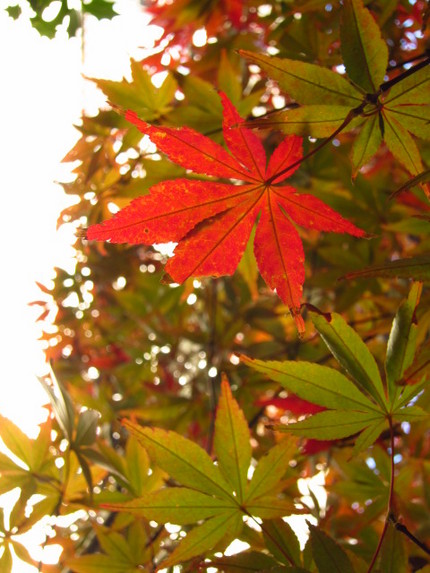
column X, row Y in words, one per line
column 353, row 113
column 390, row 499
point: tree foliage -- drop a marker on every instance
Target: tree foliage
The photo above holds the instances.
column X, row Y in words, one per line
column 223, row 335
column 49, row 15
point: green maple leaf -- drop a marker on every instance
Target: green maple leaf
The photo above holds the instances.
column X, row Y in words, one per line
column 361, row 403
column 140, row 94
column 391, row 111
column 220, row 494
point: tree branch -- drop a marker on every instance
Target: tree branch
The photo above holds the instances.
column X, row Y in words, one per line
column 403, row 529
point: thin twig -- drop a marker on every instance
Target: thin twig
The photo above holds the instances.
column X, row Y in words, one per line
column 390, row 499
column 351, row 115
column 425, row 54
column 390, row 83
column 403, row 529
column 212, row 387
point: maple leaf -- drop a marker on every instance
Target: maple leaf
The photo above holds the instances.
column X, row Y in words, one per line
column 361, row 405
column 215, row 495
column 292, row 403
column 393, row 111
column 211, row 221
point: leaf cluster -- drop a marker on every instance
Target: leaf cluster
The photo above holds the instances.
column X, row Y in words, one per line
column 63, row 14
column 190, row 415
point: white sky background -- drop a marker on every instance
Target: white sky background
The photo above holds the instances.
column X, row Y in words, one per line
column 41, row 97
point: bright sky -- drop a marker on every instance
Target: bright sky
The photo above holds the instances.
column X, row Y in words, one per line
column 41, row 98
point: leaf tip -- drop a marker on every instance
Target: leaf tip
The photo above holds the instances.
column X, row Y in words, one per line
column 166, row 279
column 125, row 423
column 225, row 384
column 246, row 359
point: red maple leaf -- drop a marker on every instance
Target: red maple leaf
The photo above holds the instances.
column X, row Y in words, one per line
column 211, row 221
column 292, row 403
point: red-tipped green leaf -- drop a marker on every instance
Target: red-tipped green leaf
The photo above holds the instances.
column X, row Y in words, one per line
column 417, row 180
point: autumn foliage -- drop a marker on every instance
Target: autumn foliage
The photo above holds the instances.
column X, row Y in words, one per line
column 249, row 311
column 209, row 220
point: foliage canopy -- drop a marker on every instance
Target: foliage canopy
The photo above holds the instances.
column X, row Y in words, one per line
column 287, row 337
